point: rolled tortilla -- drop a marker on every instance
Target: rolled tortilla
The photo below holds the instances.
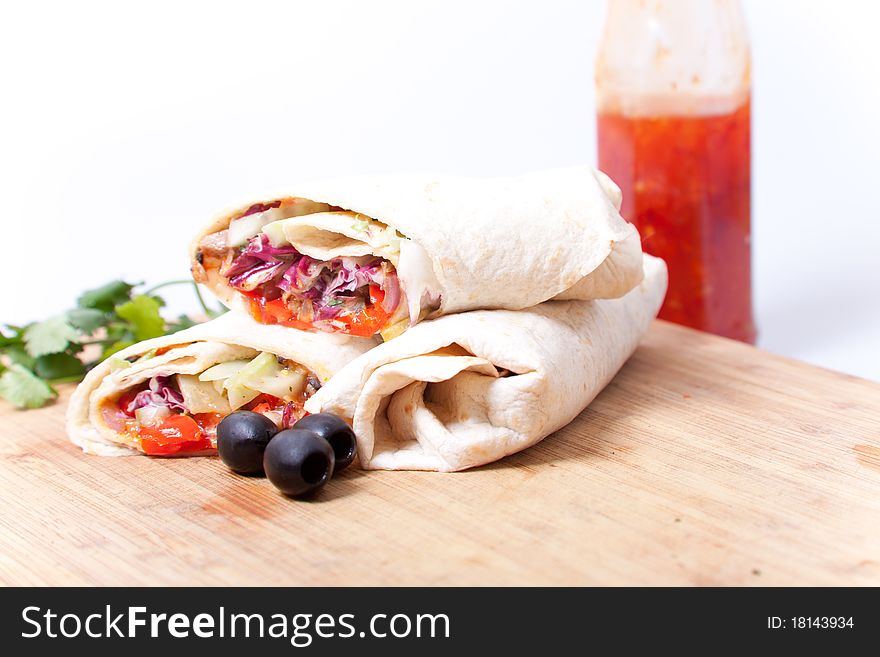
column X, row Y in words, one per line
column 467, row 389
column 231, row 337
column 452, row 244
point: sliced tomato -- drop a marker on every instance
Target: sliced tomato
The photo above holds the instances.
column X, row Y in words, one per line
column 264, row 398
column 264, row 408
column 264, row 403
column 125, row 399
column 164, row 350
column 274, row 312
column 176, row 434
column 208, row 421
column 366, row 323
column 371, row 319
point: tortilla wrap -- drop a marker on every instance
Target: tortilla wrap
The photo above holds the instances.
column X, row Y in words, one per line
column 467, row 389
column 456, row 243
column 226, row 338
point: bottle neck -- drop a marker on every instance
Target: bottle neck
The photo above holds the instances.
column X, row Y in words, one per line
column 687, row 57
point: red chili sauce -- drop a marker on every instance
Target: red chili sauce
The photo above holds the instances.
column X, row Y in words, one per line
column 686, row 185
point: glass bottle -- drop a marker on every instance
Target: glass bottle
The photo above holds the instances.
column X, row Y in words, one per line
column 673, row 85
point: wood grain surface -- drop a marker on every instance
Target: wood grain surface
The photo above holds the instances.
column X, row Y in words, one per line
column 705, row 462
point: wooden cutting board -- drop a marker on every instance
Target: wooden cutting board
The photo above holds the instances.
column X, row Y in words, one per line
column 705, row 462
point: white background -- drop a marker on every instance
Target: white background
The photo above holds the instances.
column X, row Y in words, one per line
column 124, row 127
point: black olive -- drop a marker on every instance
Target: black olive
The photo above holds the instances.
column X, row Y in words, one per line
column 335, row 431
column 241, row 440
column 298, row 462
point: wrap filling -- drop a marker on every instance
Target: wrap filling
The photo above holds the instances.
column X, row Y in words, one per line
column 328, row 290
column 178, row 414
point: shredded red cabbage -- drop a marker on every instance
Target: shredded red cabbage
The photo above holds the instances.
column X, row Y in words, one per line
column 321, row 289
column 161, row 392
column 287, row 418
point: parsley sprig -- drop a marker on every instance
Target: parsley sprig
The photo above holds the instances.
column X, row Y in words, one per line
column 61, row 349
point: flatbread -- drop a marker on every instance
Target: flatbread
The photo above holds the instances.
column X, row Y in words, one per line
column 509, row 243
column 467, row 389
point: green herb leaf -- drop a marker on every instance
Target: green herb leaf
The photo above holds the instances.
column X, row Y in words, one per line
column 107, row 296
column 17, row 354
column 119, row 336
column 117, row 330
column 58, row 366
column 143, row 313
column 87, row 320
column 20, row 387
column 14, row 339
column 37, row 355
column 50, row 336
column 182, row 322
column 115, row 347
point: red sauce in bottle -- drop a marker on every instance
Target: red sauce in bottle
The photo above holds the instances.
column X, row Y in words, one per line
column 686, row 185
